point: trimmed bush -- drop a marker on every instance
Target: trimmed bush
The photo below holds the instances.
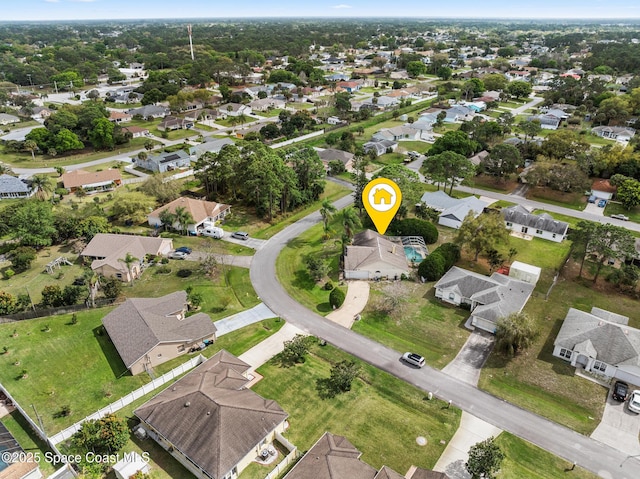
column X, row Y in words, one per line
column 328, row 286
column 416, row 227
column 336, row 298
column 184, row 273
column 450, row 252
column 432, row 267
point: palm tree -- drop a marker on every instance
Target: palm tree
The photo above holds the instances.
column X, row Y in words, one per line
column 167, row 218
column 129, row 260
column 326, row 211
column 350, row 222
column 183, row 217
column 31, row 146
column 5, row 169
column 42, row 185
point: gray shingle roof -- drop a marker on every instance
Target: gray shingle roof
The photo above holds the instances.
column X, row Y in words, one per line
column 615, row 343
column 11, row 184
column 214, row 423
column 498, row 295
column 545, row 222
column 331, row 154
column 140, row 324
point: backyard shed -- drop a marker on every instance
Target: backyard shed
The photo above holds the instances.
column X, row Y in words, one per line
column 525, row 272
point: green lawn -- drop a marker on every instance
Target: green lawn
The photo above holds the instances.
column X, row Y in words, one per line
column 229, row 292
column 72, row 358
column 574, row 201
column 425, row 325
column 613, row 208
column 28, row 440
column 524, row 460
column 381, row 415
column 36, row 278
column 24, row 160
column 292, row 271
column 539, row 382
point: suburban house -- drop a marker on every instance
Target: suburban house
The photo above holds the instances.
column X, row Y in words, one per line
column 265, row 104
column 619, row 133
column 6, row 119
column 380, row 147
column 235, row 109
column 350, row 85
column 453, row 211
column 136, row 131
column 118, row 117
column 211, row 422
column 397, row 133
column 164, row 161
column 12, row 187
column 488, row 297
column 40, row 113
column 334, row 457
column 458, row 113
column 106, row 251
column 201, row 211
column 147, row 332
column 149, row 112
column 603, row 189
column 92, row 181
column 374, row 256
column 331, row 154
column 521, row 221
column 210, row 145
column 171, row 123
column 551, row 119
column 601, row 343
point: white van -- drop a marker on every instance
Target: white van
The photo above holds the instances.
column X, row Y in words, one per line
column 213, row 232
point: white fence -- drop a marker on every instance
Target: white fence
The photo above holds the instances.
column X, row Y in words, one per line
column 128, row 399
column 289, row 458
column 296, row 140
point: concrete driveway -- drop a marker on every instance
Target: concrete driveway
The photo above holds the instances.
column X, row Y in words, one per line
column 467, row 364
column 354, row 303
column 253, row 243
column 594, row 209
column 619, row 428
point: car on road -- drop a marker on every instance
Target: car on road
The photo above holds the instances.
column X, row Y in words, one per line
column 241, row 235
column 184, row 249
column 634, row 402
column 177, row 255
column 620, row 391
column 602, row 203
column 620, row 217
column 414, row 359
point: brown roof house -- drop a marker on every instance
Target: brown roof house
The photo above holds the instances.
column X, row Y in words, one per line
column 150, row 331
column 201, row 212
column 334, row 457
column 210, row 422
column 374, row 256
column 92, row 181
column 107, row 252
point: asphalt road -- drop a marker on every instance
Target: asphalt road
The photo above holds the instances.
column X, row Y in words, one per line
column 603, row 460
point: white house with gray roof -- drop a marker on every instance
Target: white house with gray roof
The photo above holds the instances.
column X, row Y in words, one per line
column 601, row 343
column 164, row 161
column 12, row 187
column 453, row 211
column 520, row 220
column 488, row 297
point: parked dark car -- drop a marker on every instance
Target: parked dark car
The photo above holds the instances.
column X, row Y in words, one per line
column 184, row 249
column 620, row 391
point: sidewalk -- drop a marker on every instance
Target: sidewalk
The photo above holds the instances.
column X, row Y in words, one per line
column 354, row 303
column 261, row 353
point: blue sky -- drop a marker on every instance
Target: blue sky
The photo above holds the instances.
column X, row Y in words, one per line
column 117, row 9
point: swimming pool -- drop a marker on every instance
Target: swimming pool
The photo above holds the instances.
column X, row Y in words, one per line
column 3, row 465
column 412, row 254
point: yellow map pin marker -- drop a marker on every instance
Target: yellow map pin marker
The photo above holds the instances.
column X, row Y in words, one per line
column 381, row 198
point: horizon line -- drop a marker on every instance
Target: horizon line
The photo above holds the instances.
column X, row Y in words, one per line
column 307, row 17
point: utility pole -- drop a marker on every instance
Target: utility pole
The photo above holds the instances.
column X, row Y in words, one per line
column 55, row 85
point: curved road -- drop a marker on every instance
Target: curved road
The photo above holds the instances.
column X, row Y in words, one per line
column 603, row 460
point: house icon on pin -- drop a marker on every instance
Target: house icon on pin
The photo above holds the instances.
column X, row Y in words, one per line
column 382, row 197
